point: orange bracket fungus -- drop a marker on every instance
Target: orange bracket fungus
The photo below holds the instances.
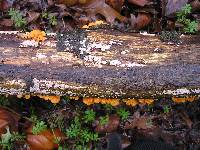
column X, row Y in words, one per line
column 53, row 99
column 37, row 35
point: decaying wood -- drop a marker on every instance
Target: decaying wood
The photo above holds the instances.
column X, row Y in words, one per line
column 125, row 65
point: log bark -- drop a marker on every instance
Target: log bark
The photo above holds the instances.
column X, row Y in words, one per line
column 120, row 65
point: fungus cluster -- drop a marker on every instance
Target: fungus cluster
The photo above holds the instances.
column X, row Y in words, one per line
column 52, row 98
column 115, row 102
column 36, row 35
column 183, row 99
column 90, row 101
column 134, row 102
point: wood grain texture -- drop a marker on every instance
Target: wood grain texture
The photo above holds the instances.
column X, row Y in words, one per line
column 129, row 65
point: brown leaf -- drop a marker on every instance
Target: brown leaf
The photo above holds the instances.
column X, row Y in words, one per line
column 6, row 22
column 5, row 5
column 174, row 5
column 32, row 16
column 142, row 20
column 100, row 7
column 186, row 118
column 111, row 126
column 72, row 2
column 116, row 4
column 139, row 122
column 139, row 2
column 195, row 5
column 44, row 140
column 8, row 118
column 50, row 2
column 67, row 2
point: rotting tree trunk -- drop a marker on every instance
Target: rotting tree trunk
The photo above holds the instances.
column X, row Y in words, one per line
column 134, row 66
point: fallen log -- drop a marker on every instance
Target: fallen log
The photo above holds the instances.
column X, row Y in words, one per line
column 118, row 65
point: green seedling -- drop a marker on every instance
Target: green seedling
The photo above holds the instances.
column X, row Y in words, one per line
column 149, row 122
column 87, row 136
column 4, row 101
column 39, row 127
column 53, row 20
column 45, row 15
column 123, row 113
column 82, row 135
column 89, row 116
column 74, row 129
column 189, row 26
column 17, row 18
column 166, row 109
column 103, row 120
column 8, row 139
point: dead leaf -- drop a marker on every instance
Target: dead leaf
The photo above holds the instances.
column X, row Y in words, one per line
column 72, row 2
column 139, row 122
column 173, row 6
column 139, row 22
column 32, row 16
column 9, row 119
column 6, row 22
column 195, row 5
column 186, row 118
column 141, row 3
column 100, row 7
column 111, row 126
column 44, row 140
column 67, row 2
column 116, row 4
column 5, row 4
column 50, row 2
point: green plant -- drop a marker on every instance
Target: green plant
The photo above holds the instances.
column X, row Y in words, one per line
column 82, row 135
column 149, row 122
column 87, row 136
column 39, row 127
column 108, row 107
column 45, row 15
column 189, row 26
column 17, row 18
column 9, row 138
column 123, row 113
column 4, row 101
column 57, row 141
column 166, row 109
column 81, row 147
column 74, row 129
column 53, row 20
column 89, row 116
column 103, row 120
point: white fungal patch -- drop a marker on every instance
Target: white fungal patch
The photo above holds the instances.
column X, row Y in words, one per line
column 181, row 91
column 9, row 32
column 147, row 34
column 133, row 64
column 87, row 47
column 41, row 57
column 29, row 43
column 52, row 87
column 94, row 59
column 49, row 44
column 13, row 87
column 115, row 63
